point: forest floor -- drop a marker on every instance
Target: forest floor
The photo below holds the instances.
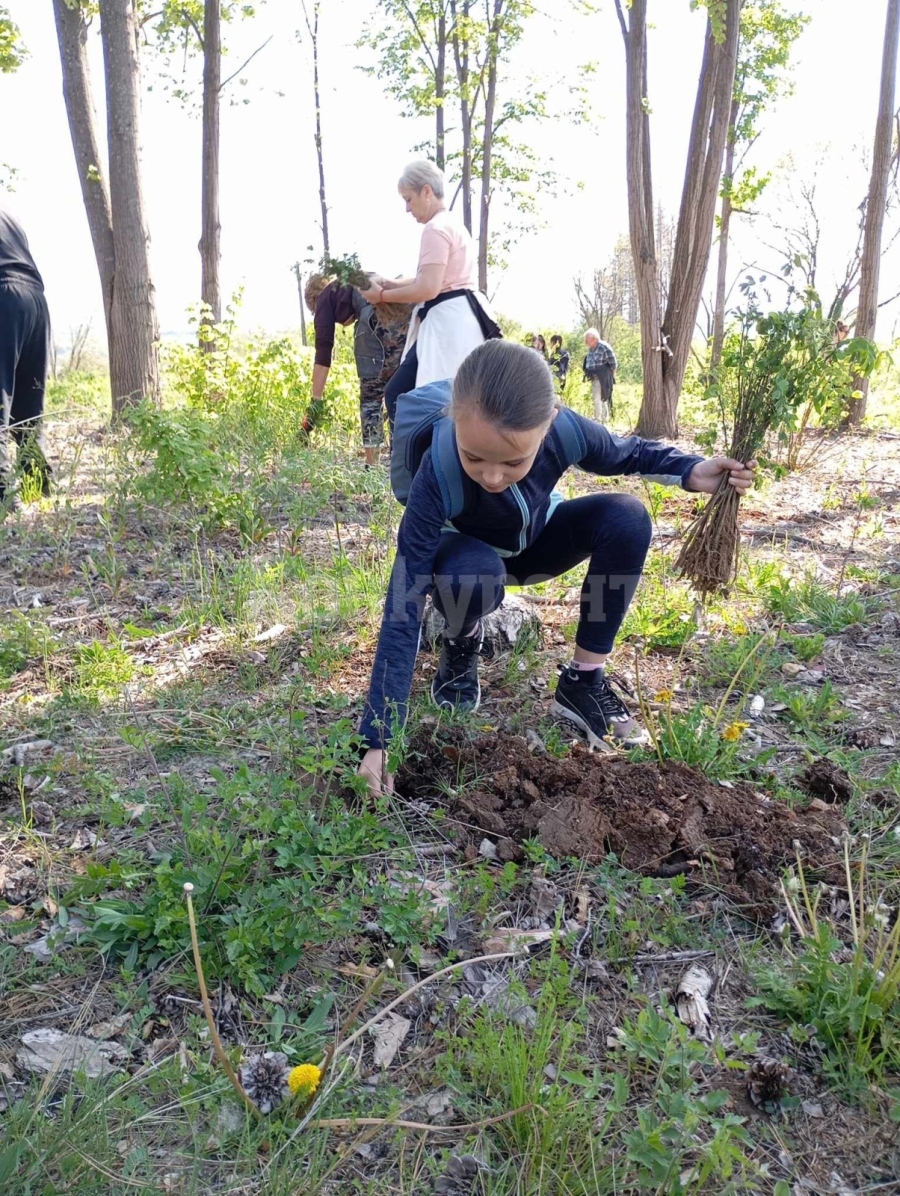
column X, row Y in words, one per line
column 179, row 698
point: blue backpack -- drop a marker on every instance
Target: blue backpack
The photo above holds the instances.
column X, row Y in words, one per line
column 420, row 423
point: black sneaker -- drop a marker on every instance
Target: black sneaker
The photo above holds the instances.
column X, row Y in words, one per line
column 587, row 699
column 456, row 685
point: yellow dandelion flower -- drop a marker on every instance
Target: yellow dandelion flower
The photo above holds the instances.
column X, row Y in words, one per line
column 734, row 731
column 304, row 1079
column 664, row 695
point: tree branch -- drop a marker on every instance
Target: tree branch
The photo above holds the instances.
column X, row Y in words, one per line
column 193, row 24
column 225, row 82
column 415, row 24
column 622, row 24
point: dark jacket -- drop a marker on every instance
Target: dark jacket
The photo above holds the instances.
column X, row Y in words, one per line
column 16, row 262
column 336, row 305
column 509, row 522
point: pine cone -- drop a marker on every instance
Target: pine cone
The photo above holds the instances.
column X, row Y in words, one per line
column 264, row 1079
column 767, row 1081
column 458, row 1179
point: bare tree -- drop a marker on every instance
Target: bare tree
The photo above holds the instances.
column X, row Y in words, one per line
column 459, row 12
column 767, row 35
column 666, row 342
column 72, row 33
column 211, row 230
column 610, row 295
column 312, row 28
column 870, row 265
column 134, row 348
column 797, row 240
column 490, row 103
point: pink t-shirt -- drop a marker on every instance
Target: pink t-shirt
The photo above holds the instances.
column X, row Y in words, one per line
column 446, row 242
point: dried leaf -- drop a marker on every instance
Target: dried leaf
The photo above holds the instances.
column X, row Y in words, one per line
column 84, row 839
column 389, row 1035
column 691, row 1000
column 515, row 940
column 47, row 1050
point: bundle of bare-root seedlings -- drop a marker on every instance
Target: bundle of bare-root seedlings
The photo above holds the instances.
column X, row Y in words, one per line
column 754, row 380
column 349, row 272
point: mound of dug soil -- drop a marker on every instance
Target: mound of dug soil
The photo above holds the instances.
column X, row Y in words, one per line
column 658, row 820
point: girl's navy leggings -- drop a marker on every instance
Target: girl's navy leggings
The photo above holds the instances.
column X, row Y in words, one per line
column 611, row 531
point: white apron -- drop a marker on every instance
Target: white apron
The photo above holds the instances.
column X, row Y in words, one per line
column 446, row 336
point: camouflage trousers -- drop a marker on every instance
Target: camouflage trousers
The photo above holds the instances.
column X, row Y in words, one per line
column 371, row 390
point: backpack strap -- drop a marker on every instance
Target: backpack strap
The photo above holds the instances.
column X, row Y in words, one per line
column 447, row 469
column 568, row 437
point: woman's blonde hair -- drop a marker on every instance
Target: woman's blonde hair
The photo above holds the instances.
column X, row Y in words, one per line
column 316, row 284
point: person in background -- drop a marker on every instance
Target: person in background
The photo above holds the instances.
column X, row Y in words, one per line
column 377, row 350
column 539, row 345
column 450, row 316
column 24, row 360
column 600, row 368
column 559, row 361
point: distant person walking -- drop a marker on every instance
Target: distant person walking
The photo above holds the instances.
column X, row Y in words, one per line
column 600, row 367
column 450, row 316
column 376, row 348
column 559, row 362
column 539, row 345
column 24, row 359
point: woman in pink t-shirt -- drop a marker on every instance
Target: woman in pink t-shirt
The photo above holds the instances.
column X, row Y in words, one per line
column 444, row 289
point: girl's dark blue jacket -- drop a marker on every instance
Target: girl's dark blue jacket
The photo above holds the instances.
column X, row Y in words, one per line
column 510, row 522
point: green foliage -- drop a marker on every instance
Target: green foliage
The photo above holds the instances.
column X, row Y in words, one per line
column 846, row 990
column 683, row 1116
column 285, row 872
column 12, row 49
column 101, row 670
column 767, row 35
column 778, row 371
column 177, row 36
column 808, row 601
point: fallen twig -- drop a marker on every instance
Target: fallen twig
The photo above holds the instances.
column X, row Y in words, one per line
column 336, row 1123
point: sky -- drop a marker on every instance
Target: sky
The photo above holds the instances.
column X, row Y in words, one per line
column 270, row 204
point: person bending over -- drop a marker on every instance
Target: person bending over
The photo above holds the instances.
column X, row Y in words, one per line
column 376, row 347
column 24, row 359
column 513, row 441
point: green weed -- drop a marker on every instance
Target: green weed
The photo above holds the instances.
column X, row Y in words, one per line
column 287, row 870
column 810, row 602
column 843, row 979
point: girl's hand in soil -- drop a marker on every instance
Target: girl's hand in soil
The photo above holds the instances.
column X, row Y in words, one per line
column 373, row 768
column 706, row 475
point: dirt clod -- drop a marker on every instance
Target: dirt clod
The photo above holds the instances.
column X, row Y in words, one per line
column 658, row 820
column 827, row 780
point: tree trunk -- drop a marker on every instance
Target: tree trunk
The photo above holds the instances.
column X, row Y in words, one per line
column 718, row 336
column 461, row 56
column 71, row 32
column 324, row 205
column 439, row 91
column 134, row 358
column 640, row 210
column 299, row 277
column 867, row 311
column 490, row 101
column 693, row 240
column 210, row 237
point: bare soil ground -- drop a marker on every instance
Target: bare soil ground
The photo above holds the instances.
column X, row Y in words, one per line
column 87, row 783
